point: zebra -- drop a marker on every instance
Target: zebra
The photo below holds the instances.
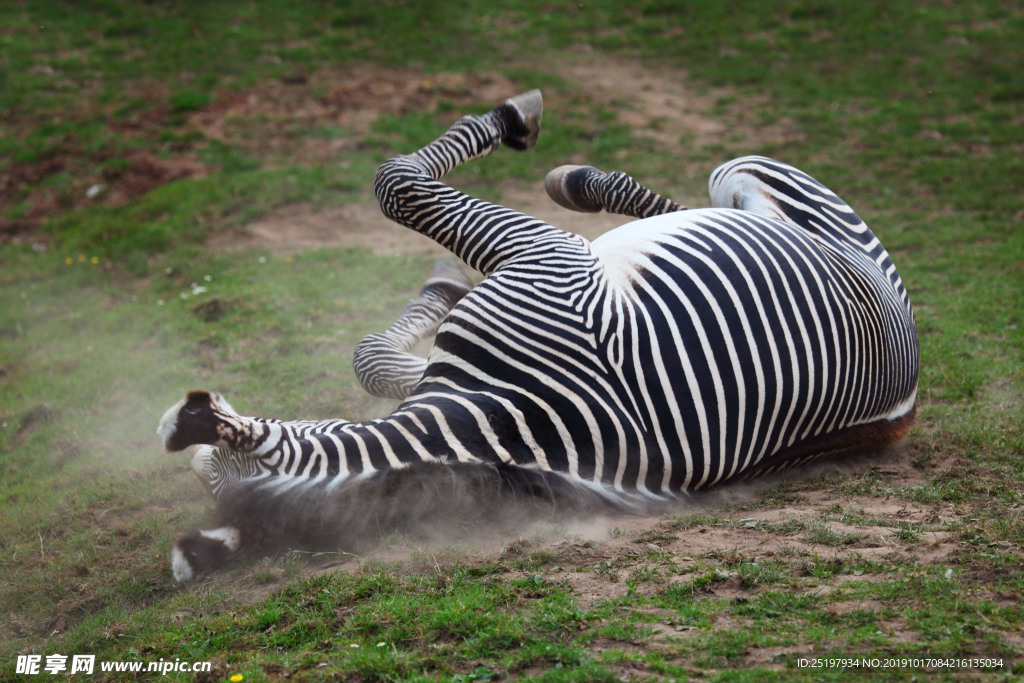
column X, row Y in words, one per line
column 682, row 350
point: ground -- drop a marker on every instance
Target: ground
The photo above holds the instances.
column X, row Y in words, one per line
column 836, row 514
column 659, row 105
column 807, row 522
column 262, row 122
column 795, row 521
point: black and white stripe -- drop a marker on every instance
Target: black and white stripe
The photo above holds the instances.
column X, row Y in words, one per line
column 677, row 352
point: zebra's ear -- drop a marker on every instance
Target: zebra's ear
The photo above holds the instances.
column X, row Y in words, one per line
column 188, row 422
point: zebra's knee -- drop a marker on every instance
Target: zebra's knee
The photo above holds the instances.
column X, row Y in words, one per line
column 383, row 370
column 201, row 551
column 366, row 357
column 398, row 180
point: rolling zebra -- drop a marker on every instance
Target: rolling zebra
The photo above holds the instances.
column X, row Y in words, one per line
column 677, row 352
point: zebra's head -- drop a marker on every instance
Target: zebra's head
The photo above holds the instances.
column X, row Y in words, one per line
column 202, row 417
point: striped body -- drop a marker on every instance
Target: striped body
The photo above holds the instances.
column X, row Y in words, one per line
column 676, row 352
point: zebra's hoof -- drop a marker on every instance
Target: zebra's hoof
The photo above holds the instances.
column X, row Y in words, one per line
column 523, row 133
column 566, row 187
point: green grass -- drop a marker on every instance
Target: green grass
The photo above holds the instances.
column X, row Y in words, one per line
column 909, row 110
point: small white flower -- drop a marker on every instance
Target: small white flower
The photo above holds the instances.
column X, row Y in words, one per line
column 262, row 259
column 94, row 191
column 159, row 302
column 208, row 278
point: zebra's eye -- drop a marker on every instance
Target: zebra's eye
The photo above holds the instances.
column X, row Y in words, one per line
column 191, row 411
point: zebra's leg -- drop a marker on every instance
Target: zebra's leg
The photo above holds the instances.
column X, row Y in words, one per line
column 201, row 464
column 382, row 361
column 219, row 469
column 487, row 237
column 586, row 189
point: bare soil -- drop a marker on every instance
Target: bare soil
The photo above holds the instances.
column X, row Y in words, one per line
column 654, row 104
column 742, row 523
column 264, row 122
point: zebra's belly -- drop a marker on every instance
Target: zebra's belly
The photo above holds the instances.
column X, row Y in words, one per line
column 715, row 339
column 622, row 250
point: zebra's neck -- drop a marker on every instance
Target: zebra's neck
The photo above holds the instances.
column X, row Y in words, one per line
column 329, row 449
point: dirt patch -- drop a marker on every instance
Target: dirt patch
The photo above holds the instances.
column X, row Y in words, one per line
column 94, row 180
column 297, row 228
column 270, row 122
column 859, row 605
column 654, row 104
column 315, row 119
column 696, row 545
column 772, row 658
